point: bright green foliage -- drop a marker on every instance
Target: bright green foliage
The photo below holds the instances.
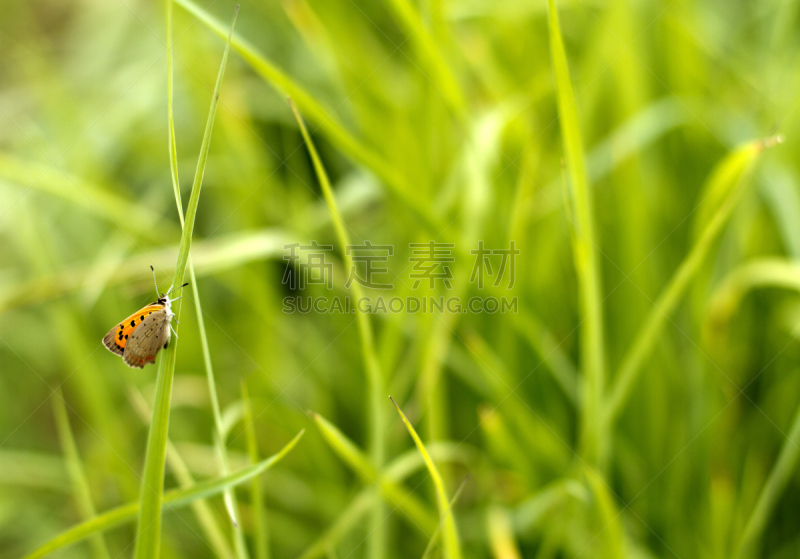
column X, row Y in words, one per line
column 640, row 397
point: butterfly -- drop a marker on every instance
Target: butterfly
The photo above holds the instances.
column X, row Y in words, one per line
column 139, row 337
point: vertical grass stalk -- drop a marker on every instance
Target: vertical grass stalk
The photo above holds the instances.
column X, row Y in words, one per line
column 148, row 532
column 584, row 249
column 260, row 525
column 219, row 441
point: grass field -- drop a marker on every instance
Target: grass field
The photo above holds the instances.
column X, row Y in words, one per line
column 623, row 175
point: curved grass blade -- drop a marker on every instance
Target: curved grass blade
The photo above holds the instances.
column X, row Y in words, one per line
column 368, row 355
column 452, row 546
column 76, row 472
column 173, row 499
column 432, row 543
column 387, row 487
column 758, row 273
column 727, row 178
column 148, row 540
column 584, row 251
column 398, row 470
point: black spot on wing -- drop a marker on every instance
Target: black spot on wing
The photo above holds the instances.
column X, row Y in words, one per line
column 133, row 323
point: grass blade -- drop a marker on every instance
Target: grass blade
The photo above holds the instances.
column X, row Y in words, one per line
column 452, row 546
column 219, row 440
column 76, row 472
column 260, row 525
column 777, row 481
column 369, row 357
column 432, row 543
column 174, row 498
column 501, row 534
column 728, row 179
column 388, row 489
column 417, row 32
column 584, row 250
column 148, row 540
column 323, row 118
column 205, row 515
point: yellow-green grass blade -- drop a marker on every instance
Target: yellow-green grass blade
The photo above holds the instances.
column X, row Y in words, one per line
column 727, row 178
column 148, row 539
column 76, row 471
column 432, row 543
column 172, row 499
column 219, row 440
column 202, row 510
column 369, row 357
column 585, row 248
column 386, row 487
column 426, row 47
column 260, row 520
column 398, row 470
column 322, row 117
column 757, row 273
column 501, row 534
column 452, row 545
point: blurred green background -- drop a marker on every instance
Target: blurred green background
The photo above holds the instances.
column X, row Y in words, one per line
column 436, row 120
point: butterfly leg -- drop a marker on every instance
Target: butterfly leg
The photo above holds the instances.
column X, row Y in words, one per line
column 174, row 332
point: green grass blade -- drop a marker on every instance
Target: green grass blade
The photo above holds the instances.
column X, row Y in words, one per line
column 260, row 520
column 219, row 440
column 778, row 479
column 148, row 540
column 429, row 52
column 452, row 545
column 726, row 178
column 432, row 543
column 210, row 256
column 501, row 534
column 202, row 510
column 76, row 472
column 756, row 273
column 348, row 520
column 36, row 470
column 387, row 487
column 172, row 499
column 369, row 357
column 584, row 250
column 323, row 117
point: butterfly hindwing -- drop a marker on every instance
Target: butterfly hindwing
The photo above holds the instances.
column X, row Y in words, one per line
column 146, row 339
column 117, row 338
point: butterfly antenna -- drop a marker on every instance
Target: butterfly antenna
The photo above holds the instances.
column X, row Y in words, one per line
column 154, row 281
column 176, row 288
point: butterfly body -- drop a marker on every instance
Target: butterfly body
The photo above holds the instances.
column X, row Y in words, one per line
column 139, row 337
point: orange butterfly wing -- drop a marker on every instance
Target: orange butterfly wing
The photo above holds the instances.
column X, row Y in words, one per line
column 117, row 337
